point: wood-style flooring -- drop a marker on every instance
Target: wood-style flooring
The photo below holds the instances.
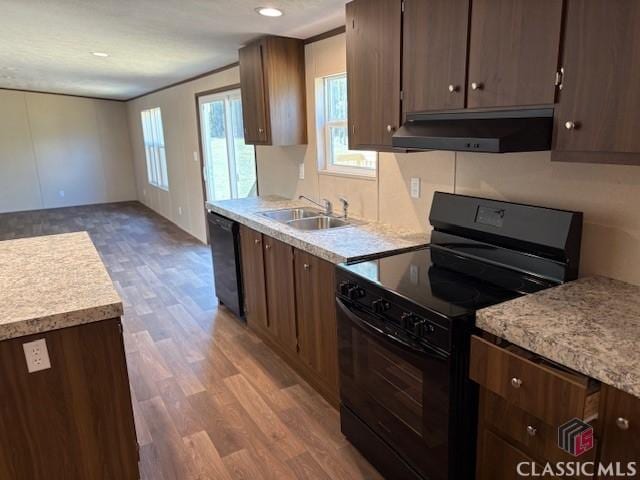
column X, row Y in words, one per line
column 211, row 401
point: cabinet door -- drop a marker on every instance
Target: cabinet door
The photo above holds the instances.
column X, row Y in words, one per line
column 601, row 62
column 621, row 428
column 513, row 52
column 253, row 279
column 498, row 459
column 373, row 71
column 317, row 327
column 435, row 54
column 281, row 307
column 252, row 91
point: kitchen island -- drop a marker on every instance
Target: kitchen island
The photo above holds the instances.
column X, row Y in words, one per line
column 65, row 404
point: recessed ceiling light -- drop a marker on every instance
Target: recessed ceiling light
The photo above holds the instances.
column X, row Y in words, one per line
column 269, row 12
column 99, row 54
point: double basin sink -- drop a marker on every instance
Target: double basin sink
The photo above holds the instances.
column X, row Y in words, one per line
column 304, row 218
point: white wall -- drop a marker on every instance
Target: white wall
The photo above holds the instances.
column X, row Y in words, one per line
column 178, row 109
column 607, row 194
column 54, row 143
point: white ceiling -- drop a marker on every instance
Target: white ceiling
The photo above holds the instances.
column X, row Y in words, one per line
column 45, row 45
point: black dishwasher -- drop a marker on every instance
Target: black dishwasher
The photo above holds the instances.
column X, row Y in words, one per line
column 224, row 235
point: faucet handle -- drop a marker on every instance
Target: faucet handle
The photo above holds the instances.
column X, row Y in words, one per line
column 328, row 206
column 345, row 206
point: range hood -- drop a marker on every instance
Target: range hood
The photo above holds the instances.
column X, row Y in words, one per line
column 492, row 132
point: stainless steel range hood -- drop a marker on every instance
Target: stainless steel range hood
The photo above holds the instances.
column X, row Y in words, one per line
column 492, row 132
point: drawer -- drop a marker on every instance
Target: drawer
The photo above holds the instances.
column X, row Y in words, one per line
column 551, row 393
column 534, row 437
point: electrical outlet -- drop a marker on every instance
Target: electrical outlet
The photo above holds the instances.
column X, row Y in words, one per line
column 415, row 187
column 301, row 171
column 61, row 193
column 414, row 274
column 195, row 156
column 37, row 355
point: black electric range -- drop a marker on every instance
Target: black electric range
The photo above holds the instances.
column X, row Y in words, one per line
column 405, row 320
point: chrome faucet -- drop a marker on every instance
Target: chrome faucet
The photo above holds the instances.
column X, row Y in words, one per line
column 345, row 207
column 326, row 205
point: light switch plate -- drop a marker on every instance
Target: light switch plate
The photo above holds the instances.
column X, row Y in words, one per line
column 37, row 355
column 195, row 157
column 414, row 274
column 415, row 187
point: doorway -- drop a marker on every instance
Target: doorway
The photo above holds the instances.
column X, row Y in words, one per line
column 228, row 163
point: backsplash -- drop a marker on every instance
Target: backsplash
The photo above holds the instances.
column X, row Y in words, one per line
column 607, row 194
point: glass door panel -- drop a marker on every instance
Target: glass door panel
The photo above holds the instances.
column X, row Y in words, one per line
column 229, row 164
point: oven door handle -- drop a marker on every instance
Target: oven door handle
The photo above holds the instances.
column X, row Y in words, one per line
column 368, row 327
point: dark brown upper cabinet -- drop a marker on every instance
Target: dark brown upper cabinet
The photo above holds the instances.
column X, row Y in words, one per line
column 599, row 105
column 272, row 86
column 513, row 52
column 374, row 34
column 434, row 54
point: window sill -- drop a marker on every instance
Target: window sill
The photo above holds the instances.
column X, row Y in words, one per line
column 164, row 189
column 355, row 176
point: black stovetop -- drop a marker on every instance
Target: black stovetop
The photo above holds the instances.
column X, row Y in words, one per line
column 445, row 282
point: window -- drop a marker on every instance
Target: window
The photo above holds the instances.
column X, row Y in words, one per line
column 334, row 155
column 229, row 163
column 154, row 148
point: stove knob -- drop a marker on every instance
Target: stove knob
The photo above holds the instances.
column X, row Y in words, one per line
column 345, row 287
column 380, row 305
column 408, row 320
column 355, row 292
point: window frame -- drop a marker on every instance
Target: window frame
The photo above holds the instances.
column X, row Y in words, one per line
column 323, row 135
column 155, row 149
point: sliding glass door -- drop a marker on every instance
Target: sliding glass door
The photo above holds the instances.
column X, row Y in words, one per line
column 229, row 164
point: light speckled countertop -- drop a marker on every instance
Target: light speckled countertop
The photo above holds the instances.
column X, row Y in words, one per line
column 591, row 325
column 53, row 282
column 334, row 245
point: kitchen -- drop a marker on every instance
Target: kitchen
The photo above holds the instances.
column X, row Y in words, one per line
column 214, row 397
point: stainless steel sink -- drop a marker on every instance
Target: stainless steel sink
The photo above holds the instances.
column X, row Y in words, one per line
column 288, row 214
column 322, row 222
column 305, row 218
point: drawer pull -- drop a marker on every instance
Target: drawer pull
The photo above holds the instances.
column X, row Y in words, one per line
column 531, row 430
column 516, row 382
column 307, row 266
column 622, row 423
column 256, row 241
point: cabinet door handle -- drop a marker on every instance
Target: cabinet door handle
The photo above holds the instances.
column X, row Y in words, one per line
column 267, row 246
column 531, row 430
column 307, row 267
column 453, row 88
column 390, row 128
column 476, row 86
column 516, row 382
column 257, row 241
column 260, row 129
column 570, row 125
column 622, row 423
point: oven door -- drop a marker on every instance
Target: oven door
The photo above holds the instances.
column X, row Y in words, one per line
column 399, row 388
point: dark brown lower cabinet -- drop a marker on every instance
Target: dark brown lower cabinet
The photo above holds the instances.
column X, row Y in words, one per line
column 280, row 285
column 317, row 330
column 73, row 421
column 255, row 293
column 290, row 305
column 499, row 459
column 620, row 429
